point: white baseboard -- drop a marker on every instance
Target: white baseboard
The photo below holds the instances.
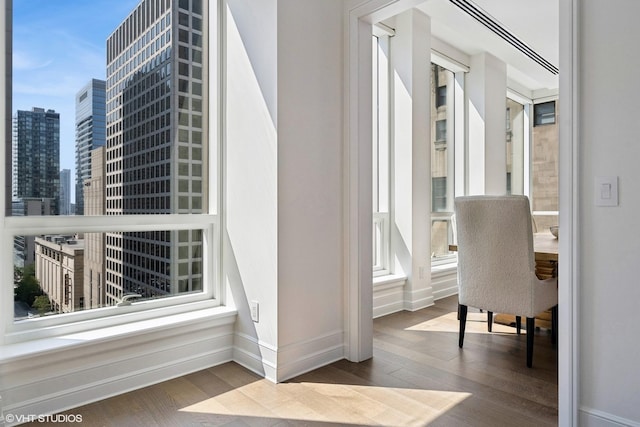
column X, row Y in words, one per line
column 444, row 284
column 256, row 356
column 64, row 400
column 419, row 299
column 73, row 376
column 388, row 295
column 590, row 417
column 297, row 358
column 281, row 364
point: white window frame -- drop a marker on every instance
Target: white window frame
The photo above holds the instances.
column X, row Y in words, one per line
column 381, row 243
column 516, row 96
column 459, row 151
column 381, row 158
column 126, row 316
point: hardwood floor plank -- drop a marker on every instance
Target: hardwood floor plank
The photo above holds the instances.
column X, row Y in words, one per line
column 417, row 377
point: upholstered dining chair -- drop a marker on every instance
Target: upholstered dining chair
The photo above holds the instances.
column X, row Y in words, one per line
column 496, row 263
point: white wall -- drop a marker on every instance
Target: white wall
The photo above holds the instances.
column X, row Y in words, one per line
column 411, row 180
column 610, row 236
column 310, row 134
column 284, row 182
column 251, row 179
column 486, row 88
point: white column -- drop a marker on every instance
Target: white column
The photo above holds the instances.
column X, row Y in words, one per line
column 250, row 263
column 411, row 245
column 487, row 90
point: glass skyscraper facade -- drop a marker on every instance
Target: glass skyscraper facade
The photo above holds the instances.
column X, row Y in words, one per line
column 36, row 156
column 65, row 192
column 90, row 132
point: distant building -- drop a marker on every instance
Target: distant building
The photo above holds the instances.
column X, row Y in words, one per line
column 60, row 271
column 90, row 132
column 545, row 164
column 95, row 291
column 24, row 246
column 65, row 192
column 36, row 156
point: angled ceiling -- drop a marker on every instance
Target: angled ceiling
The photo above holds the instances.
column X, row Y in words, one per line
column 532, row 54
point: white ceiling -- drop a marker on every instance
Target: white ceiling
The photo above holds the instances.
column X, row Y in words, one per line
column 534, row 22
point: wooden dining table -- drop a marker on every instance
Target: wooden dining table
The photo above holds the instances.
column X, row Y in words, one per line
column 545, row 246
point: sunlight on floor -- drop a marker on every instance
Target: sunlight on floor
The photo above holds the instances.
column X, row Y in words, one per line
column 476, row 324
column 335, row 403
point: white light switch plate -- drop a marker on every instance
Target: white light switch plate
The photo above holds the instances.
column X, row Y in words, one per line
column 255, row 311
column 606, row 190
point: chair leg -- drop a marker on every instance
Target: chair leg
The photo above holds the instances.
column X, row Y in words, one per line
column 518, row 324
column 531, row 327
column 489, row 320
column 462, row 309
column 554, row 325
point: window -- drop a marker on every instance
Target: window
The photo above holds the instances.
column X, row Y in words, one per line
column 544, row 169
column 544, row 113
column 128, row 244
column 442, row 160
column 381, row 160
column 516, row 146
column 439, row 194
column 441, row 132
column 441, row 96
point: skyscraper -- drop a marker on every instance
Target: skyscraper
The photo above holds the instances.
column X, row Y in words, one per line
column 90, row 132
column 36, row 170
column 95, row 293
column 36, row 156
column 65, row 192
column 155, row 145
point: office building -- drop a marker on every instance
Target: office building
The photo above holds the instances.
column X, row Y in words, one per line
column 94, row 267
column 35, row 172
column 24, row 246
column 154, row 155
column 37, row 156
column 65, row 192
column 90, row 132
column 60, row 271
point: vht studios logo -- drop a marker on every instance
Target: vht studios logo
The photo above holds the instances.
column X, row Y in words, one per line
column 30, row 418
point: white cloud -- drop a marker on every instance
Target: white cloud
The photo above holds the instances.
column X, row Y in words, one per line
column 25, row 61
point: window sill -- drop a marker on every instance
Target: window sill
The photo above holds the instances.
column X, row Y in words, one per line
column 388, row 279
column 215, row 316
column 444, row 268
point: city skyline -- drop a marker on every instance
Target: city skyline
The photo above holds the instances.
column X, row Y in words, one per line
column 56, row 50
column 152, row 162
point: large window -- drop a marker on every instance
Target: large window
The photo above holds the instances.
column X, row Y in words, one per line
column 137, row 134
column 442, row 159
column 517, row 146
column 380, row 150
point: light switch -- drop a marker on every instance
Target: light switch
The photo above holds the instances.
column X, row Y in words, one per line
column 606, row 190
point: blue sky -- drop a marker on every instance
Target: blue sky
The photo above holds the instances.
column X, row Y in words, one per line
column 58, row 46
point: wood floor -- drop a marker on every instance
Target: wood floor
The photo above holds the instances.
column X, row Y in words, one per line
column 417, row 377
